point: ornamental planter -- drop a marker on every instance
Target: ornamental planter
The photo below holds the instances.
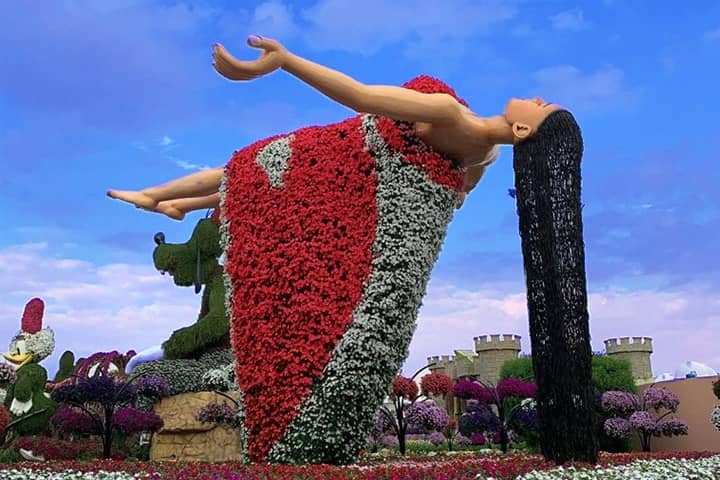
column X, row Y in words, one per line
column 330, row 234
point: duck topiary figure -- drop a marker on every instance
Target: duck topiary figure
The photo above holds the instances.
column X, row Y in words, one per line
column 26, row 399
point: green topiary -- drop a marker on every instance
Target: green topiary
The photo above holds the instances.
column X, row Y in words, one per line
column 30, row 385
column 196, row 262
column 608, row 373
column 67, row 366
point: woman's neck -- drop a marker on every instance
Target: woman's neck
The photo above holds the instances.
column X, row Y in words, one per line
column 496, row 130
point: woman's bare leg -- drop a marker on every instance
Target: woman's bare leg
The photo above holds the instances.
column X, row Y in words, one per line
column 200, row 184
column 176, row 209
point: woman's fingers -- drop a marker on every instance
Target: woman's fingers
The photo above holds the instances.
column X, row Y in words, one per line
column 234, row 69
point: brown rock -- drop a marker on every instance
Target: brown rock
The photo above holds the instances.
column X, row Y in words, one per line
column 185, row 439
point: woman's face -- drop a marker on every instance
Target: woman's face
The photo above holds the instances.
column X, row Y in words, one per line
column 526, row 110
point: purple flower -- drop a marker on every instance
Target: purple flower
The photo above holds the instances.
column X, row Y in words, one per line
column 672, row 426
column 437, row 438
column 465, row 388
column 513, row 387
column 659, row 397
column 131, row 420
column 644, row 422
column 153, row 386
column 69, row 420
column 512, row 192
column 389, row 441
column 617, row 427
column 426, row 416
column 620, row 403
column 478, row 418
column 219, row 413
column 7, row 374
column 478, row 438
column 462, row 440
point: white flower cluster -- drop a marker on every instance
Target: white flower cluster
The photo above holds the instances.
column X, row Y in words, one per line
column 221, row 378
column 28, row 474
column 698, row 469
column 414, row 213
column 225, row 244
column 715, row 417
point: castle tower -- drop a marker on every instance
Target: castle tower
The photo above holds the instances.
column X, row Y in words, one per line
column 492, row 351
column 444, row 364
column 637, row 351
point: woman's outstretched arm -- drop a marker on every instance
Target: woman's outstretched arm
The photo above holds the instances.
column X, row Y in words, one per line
column 394, row 102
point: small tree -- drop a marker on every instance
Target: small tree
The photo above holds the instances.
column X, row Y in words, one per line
column 643, row 414
column 405, row 393
column 102, row 405
column 495, row 396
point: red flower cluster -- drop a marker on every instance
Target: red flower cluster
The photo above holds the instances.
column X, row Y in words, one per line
column 404, row 387
column 32, row 316
column 436, row 383
column 300, row 255
column 299, row 258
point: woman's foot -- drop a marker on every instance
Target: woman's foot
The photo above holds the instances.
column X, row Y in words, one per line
column 139, row 199
column 167, row 208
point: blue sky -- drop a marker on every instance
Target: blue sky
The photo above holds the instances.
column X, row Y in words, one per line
column 121, row 94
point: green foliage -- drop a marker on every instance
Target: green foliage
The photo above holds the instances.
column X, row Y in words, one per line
column 211, row 330
column 67, row 366
column 716, row 388
column 608, row 373
column 520, row 368
column 612, row 373
column 9, row 455
column 30, row 384
column 186, row 375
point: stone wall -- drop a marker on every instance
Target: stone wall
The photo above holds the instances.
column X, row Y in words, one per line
column 184, row 438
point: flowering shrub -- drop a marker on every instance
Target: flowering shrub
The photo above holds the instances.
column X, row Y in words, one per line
column 219, row 413
column 5, row 419
column 404, row 387
column 183, row 376
column 104, row 363
column 426, row 416
column 437, row 438
column 620, row 403
column 462, row 441
column 7, row 375
column 152, row 386
column 70, row 420
column 222, row 378
column 131, row 420
column 53, row 449
column 643, row 414
column 338, row 227
column 436, row 383
column 481, row 420
column 658, row 466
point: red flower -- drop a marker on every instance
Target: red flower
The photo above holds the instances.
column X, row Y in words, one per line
column 436, row 383
column 404, row 387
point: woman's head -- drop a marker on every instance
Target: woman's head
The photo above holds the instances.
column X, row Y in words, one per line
column 526, row 115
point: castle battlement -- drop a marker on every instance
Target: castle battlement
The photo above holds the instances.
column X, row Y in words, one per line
column 628, row 345
column 485, row 343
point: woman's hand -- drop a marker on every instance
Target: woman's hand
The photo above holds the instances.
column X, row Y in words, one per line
column 272, row 58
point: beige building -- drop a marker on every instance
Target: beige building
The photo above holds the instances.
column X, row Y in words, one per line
column 492, row 351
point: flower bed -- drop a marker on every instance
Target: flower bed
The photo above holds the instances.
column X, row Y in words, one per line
column 439, row 467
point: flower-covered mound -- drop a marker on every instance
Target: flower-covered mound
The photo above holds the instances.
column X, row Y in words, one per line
column 654, row 466
column 330, row 235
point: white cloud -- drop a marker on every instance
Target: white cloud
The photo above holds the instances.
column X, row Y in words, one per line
column 123, row 306
column 166, row 141
column 366, row 27
column 570, row 20
column 604, row 89
column 188, row 165
column 682, row 323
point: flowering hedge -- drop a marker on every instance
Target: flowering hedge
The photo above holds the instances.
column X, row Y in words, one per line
column 330, row 235
column 440, row 467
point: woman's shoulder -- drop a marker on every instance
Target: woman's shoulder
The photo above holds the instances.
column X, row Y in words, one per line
column 428, row 84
